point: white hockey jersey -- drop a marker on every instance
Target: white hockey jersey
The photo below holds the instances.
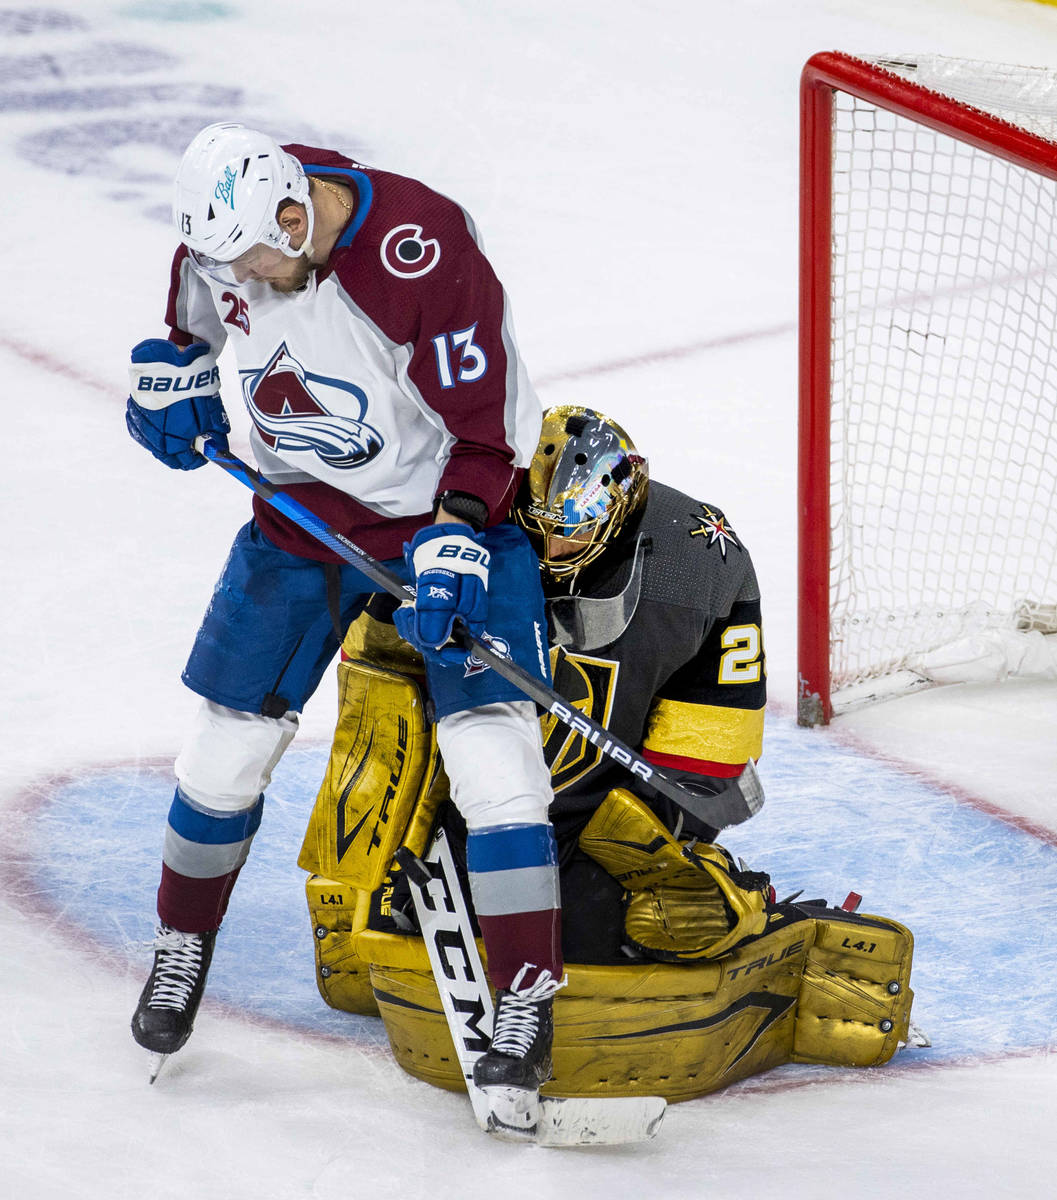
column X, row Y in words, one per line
column 393, row 376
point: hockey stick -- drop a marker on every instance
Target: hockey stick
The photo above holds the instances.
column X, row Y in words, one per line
column 463, row 986
column 736, row 803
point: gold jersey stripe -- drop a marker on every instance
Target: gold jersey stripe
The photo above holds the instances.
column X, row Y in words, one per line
column 705, row 731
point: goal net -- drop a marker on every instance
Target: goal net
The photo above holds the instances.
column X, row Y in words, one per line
column 928, row 366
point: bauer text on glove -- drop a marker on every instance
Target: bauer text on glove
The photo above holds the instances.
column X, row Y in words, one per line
column 174, row 399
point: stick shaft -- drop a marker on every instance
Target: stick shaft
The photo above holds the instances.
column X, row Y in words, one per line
column 716, row 811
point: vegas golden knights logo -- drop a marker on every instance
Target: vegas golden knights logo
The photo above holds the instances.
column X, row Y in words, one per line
column 589, row 685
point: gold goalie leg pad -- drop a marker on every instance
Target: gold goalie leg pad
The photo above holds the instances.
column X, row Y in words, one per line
column 659, row 1029
column 338, row 913
column 688, row 900
column 855, row 997
column 673, row 1030
column 683, row 1030
column 382, row 764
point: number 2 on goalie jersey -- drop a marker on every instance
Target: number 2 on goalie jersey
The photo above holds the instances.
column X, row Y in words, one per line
column 743, row 650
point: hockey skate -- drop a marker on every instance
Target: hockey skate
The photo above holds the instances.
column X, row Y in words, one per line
column 169, row 1001
column 519, row 1058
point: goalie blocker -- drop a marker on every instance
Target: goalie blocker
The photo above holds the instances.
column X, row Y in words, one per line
column 729, row 983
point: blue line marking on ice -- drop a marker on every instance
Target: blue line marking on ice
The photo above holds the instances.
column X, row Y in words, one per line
column 979, row 895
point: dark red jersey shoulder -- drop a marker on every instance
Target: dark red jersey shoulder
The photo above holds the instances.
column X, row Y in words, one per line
column 386, row 201
column 413, row 213
column 411, row 259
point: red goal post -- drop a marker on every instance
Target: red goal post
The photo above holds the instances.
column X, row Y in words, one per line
column 918, row 261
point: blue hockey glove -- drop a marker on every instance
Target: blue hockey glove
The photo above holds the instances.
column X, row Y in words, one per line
column 449, row 566
column 174, row 400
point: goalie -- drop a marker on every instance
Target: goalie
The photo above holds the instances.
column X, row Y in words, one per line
column 655, row 631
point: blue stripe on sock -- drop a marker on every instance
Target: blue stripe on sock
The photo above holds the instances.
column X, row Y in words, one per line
column 213, row 828
column 509, row 847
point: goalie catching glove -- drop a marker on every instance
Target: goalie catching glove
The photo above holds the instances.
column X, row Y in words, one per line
column 449, row 566
column 686, row 900
column 175, row 399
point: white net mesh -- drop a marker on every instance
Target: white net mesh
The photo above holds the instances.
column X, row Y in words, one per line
column 944, row 382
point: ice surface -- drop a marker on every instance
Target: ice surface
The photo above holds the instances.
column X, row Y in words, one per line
column 632, row 168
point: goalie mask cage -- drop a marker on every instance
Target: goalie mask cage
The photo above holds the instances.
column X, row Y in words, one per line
column 928, row 369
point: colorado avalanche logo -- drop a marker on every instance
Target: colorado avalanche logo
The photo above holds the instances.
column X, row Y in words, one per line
column 474, row 665
column 406, row 253
column 289, row 415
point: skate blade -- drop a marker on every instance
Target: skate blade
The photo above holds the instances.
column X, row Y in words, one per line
column 156, row 1063
column 513, row 1113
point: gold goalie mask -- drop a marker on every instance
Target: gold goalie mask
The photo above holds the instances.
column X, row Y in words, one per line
column 585, row 486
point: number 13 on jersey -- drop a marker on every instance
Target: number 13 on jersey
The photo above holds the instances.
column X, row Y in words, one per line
column 459, row 358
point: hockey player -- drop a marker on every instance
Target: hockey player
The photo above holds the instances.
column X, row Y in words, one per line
column 377, row 362
column 656, row 632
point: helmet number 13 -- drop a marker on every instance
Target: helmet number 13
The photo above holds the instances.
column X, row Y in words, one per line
column 459, row 358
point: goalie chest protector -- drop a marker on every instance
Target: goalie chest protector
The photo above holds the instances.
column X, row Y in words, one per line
column 690, row 620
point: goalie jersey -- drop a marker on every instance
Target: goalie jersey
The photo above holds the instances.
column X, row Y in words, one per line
column 663, row 645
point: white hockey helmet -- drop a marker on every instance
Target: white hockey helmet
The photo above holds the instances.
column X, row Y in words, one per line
column 228, row 187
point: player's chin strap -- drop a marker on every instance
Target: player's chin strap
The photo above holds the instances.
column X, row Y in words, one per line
column 736, row 803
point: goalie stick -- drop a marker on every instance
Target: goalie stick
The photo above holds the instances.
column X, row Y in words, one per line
column 460, row 977
column 740, row 799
